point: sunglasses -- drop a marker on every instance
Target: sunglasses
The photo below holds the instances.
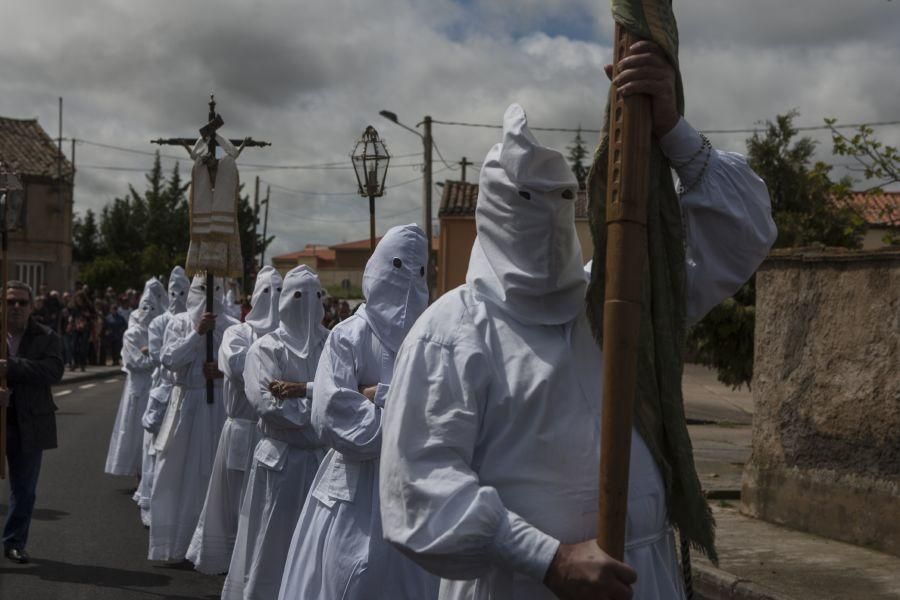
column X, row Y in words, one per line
column 17, row 302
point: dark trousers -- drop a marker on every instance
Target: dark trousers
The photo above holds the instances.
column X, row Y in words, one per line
column 24, row 468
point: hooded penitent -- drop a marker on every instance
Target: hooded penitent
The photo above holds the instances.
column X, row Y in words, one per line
column 263, row 315
column 179, row 284
column 526, row 258
column 196, row 299
column 301, row 311
column 153, row 303
column 394, row 284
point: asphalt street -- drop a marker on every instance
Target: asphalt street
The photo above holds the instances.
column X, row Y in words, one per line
column 86, row 539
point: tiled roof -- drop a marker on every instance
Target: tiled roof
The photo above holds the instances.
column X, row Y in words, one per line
column 877, row 209
column 460, row 198
column 364, row 244
column 27, row 148
column 310, row 251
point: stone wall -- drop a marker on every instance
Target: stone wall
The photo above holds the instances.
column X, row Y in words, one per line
column 826, row 389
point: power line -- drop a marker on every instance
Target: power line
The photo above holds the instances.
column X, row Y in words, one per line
column 313, row 193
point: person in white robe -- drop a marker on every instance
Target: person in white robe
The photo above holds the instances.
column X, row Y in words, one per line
column 125, row 453
column 163, row 381
column 338, row 551
column 491, row 446
column 279, row 382
column 189, row 434
column 213, row 540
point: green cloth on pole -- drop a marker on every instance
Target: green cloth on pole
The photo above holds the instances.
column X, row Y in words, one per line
column 659, row 405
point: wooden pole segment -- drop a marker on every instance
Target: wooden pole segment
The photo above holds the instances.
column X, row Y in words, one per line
column 626, row 251
column 4, row 276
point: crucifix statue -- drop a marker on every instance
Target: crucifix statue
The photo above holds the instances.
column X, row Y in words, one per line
column 215, row 247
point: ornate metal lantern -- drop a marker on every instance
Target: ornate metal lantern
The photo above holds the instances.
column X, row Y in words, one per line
column 370, row 163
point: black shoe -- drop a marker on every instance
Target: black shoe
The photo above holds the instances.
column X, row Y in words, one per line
column 17, row 555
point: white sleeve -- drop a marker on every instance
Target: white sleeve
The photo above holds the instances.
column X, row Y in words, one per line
column 434, row 508
column 727, row 218
column 261, row 369
column 132, row 357
column 233, row 353
column 155, row 334
column 181, row 344
column 345, row 419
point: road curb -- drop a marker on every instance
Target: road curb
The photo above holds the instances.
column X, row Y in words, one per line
column 711, row 583
column 82, row 377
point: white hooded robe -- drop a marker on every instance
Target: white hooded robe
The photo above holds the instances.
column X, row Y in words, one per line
column 161, row 387
column 126, row 443
column 213, row 540
column 188, row 437
column 491, row 443
column 338, row 552
column 287, row 456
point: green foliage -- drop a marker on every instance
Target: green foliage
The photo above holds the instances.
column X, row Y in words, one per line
column 578, row 154
column 806, row 208
column 145, row 234
column 879, row 165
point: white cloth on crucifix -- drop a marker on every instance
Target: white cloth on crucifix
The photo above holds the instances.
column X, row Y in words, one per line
column 215, row 241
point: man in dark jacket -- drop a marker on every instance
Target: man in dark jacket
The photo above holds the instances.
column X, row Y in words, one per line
column 35, row 363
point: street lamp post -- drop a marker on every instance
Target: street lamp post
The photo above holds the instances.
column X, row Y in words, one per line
column 427, row 145
column 370, row 163
column 11, row 201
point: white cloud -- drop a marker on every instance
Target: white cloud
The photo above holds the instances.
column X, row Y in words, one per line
column 310, row 76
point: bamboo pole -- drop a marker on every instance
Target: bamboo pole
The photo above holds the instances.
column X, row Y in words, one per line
column 626, row 249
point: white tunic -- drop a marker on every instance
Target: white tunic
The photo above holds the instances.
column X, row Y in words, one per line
column 126, row 443
column 285, row 462
column 213, row 539
column 491, row 437
column 338, row 551
column 187, row 441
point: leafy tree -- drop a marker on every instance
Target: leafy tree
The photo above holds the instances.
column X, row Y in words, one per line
column 806, row 208
column 85, row 237
column 578, row 153
column 876, row 162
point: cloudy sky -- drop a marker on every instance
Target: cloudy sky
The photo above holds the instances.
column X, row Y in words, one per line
column 309, row 75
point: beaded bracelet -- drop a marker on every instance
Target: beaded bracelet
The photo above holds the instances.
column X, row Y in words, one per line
column 682, row 189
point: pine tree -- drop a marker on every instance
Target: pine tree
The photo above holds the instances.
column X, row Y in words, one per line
column 577, row 156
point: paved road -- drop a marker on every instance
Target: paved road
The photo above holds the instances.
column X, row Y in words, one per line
column 86, row 540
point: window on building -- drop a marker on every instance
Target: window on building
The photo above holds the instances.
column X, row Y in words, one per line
column 31, row 273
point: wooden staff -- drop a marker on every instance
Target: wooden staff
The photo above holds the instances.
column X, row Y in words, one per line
column 626, row 252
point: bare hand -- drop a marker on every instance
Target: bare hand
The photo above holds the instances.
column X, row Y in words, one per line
column 646, row 70
column 585, row 572
column 3, row 364
column 287, row 389
column 207, row 323
column 368, row 391
column 145, row 351
column 211, row 371
column 4, row 397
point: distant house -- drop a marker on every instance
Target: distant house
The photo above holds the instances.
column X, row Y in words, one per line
column 881, row 212
column 339, row 265
column 41, row 253
column 457, row 215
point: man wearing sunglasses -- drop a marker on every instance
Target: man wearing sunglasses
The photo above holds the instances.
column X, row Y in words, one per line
column 35, row 363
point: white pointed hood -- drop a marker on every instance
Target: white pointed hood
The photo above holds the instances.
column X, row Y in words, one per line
column 526, row 258
column 394, row 284
column 179, row 284
column 153, row 303
column 196, row 300
column 263, row 315
column 300, row 311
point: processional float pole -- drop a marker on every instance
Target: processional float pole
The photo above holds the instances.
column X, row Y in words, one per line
column 629, row 129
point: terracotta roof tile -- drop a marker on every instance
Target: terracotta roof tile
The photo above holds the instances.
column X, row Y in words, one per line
column 877, row 209
column 461, row 197
column 26, row 147
column 311, row 250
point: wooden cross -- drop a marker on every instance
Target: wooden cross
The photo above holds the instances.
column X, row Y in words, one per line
column 208, row 132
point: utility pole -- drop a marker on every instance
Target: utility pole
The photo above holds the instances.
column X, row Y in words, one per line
column 262, row 258
column 464, row 163
column 428, row 147
column 255, row 222
column 59, row 157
